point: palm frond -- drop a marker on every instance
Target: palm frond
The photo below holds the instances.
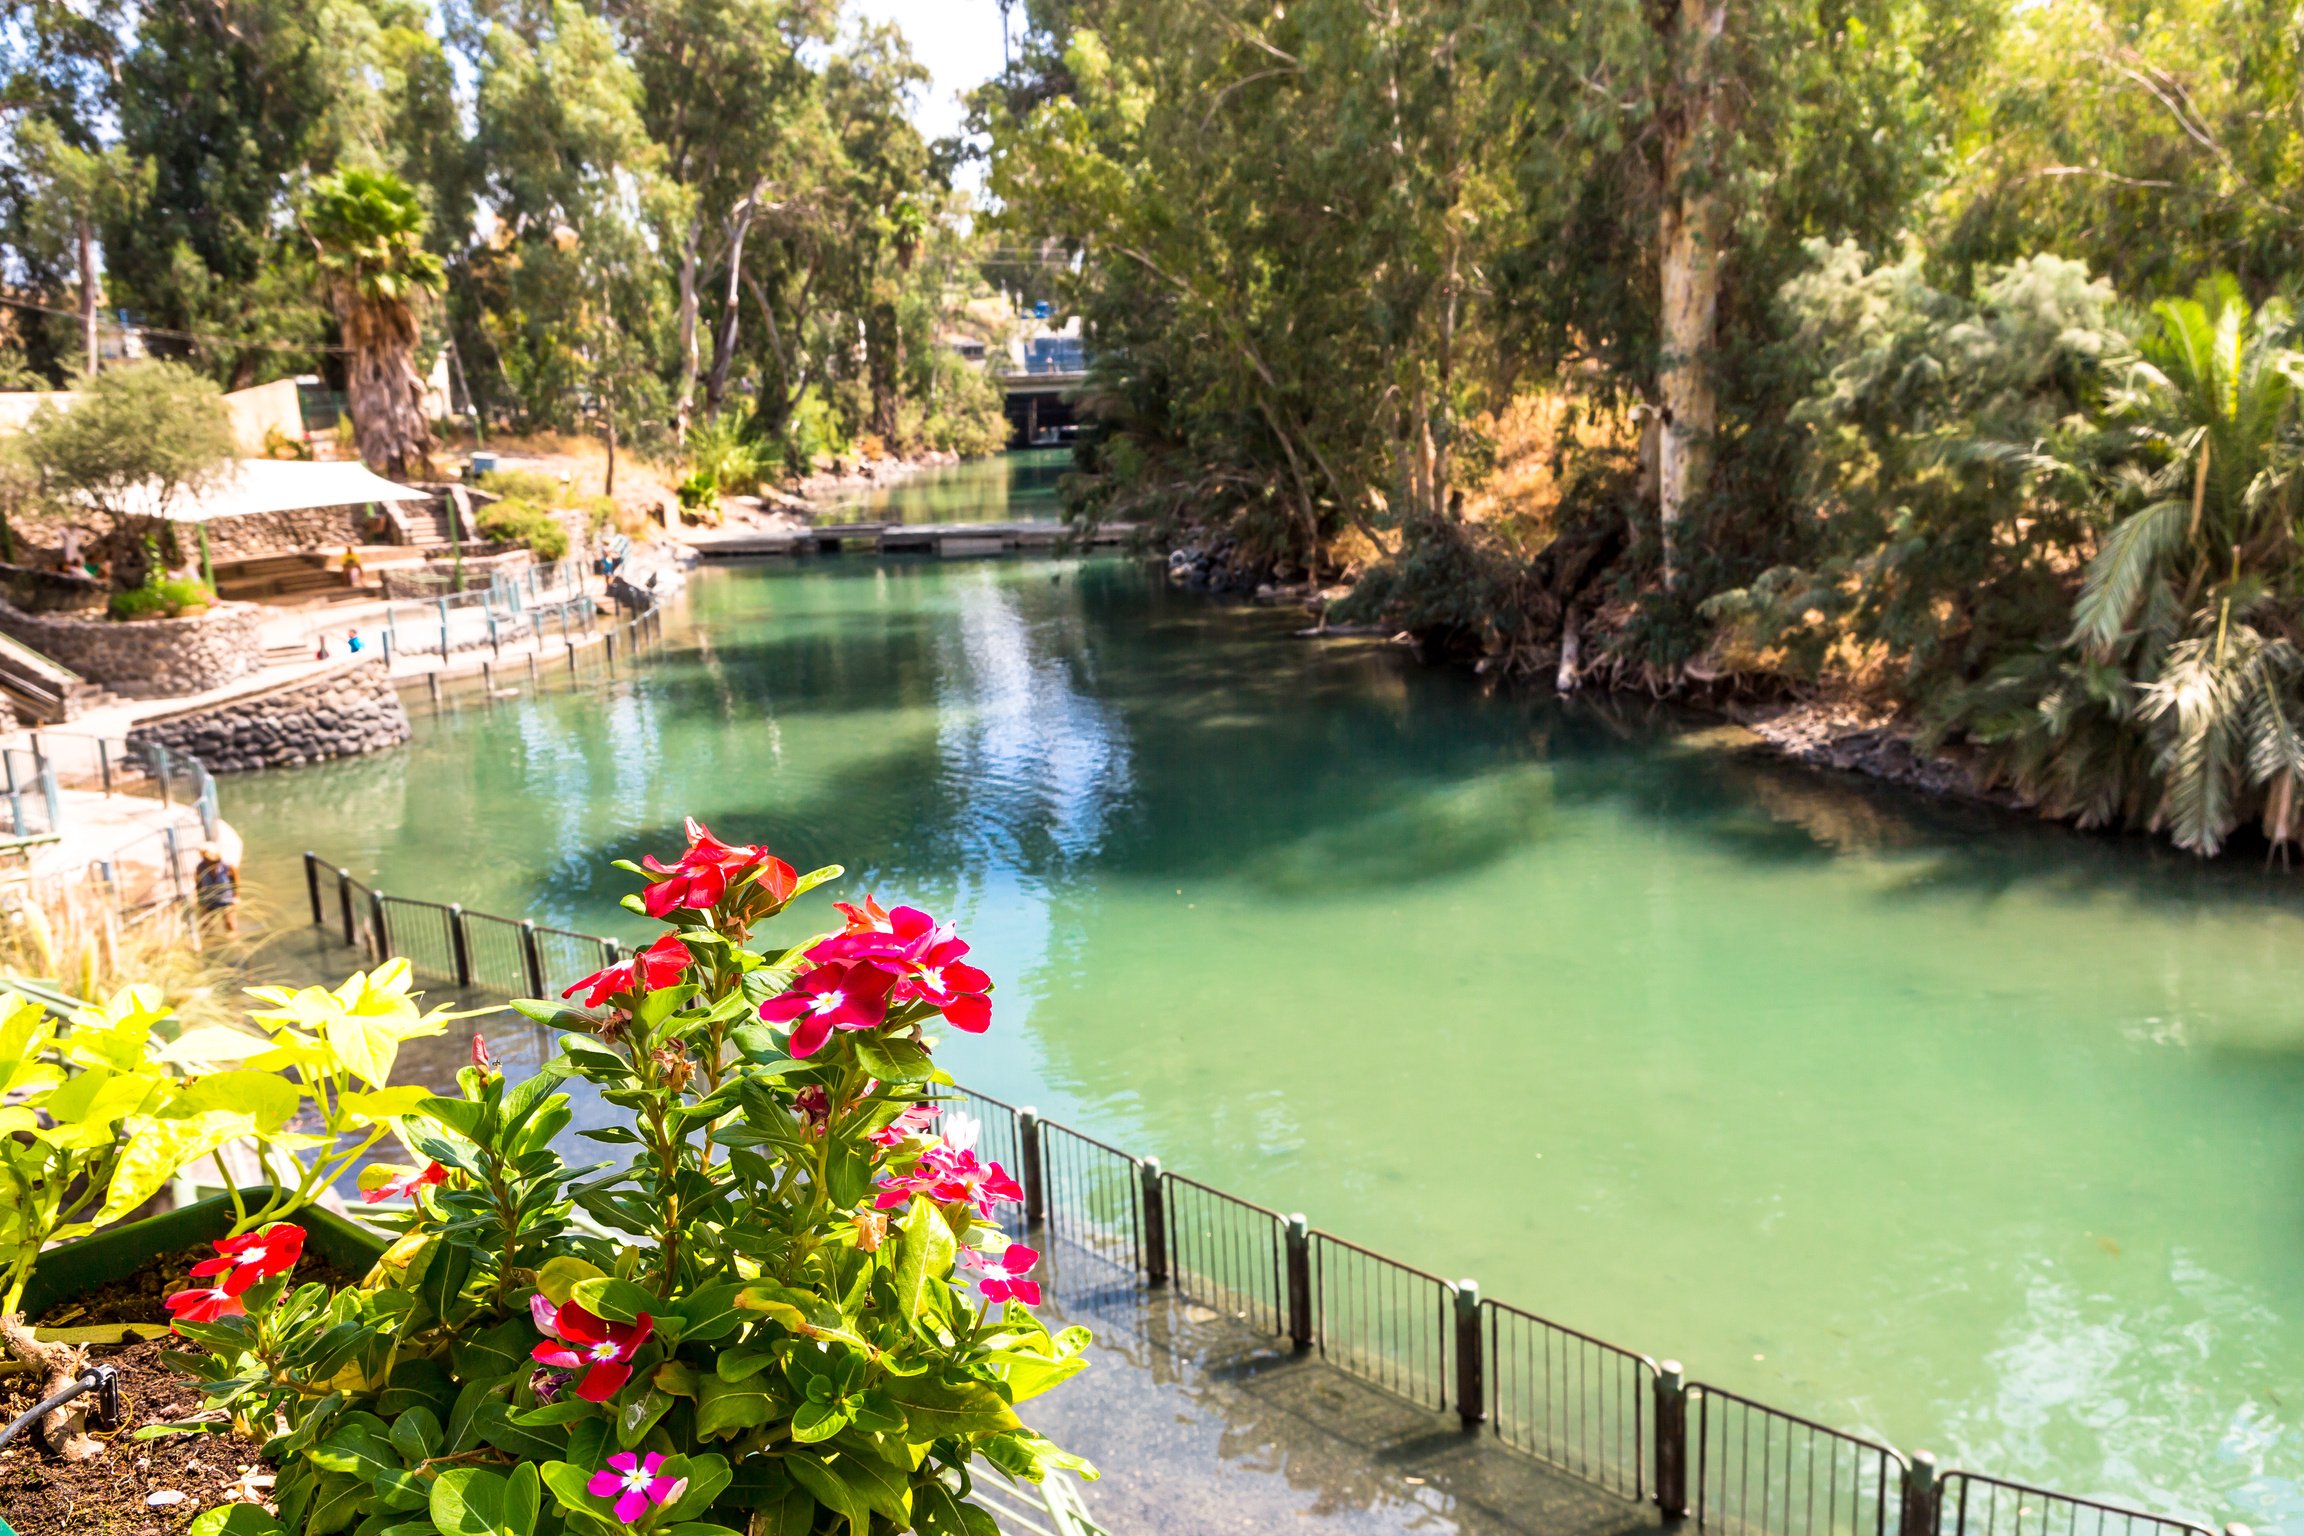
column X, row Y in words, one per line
column 2131, row 558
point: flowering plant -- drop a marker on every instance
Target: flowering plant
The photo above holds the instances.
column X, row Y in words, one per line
column 787, row 1308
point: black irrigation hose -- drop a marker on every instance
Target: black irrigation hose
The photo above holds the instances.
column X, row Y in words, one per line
column 100, row 1379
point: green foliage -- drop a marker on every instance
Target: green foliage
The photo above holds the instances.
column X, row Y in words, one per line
column 517, row 520
column 160, row 596
column 529, row 485
column 727, row 458
column 783, row 1355
column 138, row 439
column 100, row 1114
column 367, row 229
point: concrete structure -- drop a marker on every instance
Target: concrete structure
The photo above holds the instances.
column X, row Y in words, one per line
column 145, row 658
column 347, row 709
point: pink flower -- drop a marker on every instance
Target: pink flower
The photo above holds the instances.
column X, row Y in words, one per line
column 634, row 1484
column 948, row 1177
column 814, row 1107
column 253, row 1256
column 660, row 965
column 1004, row 1276
column 406, row 1186
column 922, row 954
column 480, row 1056
column 827, row 998
column 578, row 1341
column 913, row 1122
column 704, row 873
column 545, row 1314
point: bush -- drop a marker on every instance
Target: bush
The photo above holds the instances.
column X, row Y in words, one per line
column 161, row 597
column 530, row 485
column 516, row 520
column 769, row 1320
column 734, row 462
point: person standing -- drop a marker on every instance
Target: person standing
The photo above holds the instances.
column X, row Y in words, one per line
column 216, row 885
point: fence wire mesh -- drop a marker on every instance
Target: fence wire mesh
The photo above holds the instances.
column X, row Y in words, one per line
column 1227, row 1254
column 498, row 954
column 1771, row 1473
column 999, row 1139
column 423, row 933
column 1383, row 1321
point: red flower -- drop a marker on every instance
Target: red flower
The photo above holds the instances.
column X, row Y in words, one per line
column 706, row 871
column 203, row 1305
column 955, row 987
column 827, row 998
column 253, row 1256
column 658, row 966
column 1004, row 1276
column 406, row 1186
column 603, row 1350
column 913, row 1122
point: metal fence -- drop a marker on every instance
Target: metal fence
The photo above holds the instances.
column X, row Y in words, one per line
column 1764, row 1470
column 1609, row 1416
column 1565, row 1397
column 57, row 760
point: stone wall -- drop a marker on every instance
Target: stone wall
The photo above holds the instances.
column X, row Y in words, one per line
column 315, row 530
column 147, row 658
column 342, row 712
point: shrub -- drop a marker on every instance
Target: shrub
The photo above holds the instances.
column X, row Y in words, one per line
column 763, row 1324
column 530, row 485
column 734, row 462
column 155, row 428
column 516, row 520
column 161, row 597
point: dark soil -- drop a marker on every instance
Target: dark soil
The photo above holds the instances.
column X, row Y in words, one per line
column 110, row 1494
column 142, row 1296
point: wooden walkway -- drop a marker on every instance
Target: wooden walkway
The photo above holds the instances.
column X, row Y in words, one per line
column 950, row 540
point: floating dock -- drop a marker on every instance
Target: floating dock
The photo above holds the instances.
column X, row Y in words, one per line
column 949, row 540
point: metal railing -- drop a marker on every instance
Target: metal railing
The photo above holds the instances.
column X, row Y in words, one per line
column 35, row 808
column 1567, row 1398
column 1226, row 1253
column 1761, row 1469
column 118, row 765
column 1611, row 1417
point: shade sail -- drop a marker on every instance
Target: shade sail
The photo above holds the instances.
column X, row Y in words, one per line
column 278, row 485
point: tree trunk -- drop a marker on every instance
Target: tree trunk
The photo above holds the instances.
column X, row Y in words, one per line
column 88, row 339
column 1688, row 256
column 691, row 364
column 382, row 389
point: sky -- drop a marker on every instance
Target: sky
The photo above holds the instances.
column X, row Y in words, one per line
column 959, row 41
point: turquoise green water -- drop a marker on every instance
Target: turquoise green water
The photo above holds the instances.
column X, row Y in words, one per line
column 1012, row 488
column 1969, row 1132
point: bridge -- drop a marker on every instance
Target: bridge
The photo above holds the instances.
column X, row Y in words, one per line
column 1039, row 395
column 950, row 540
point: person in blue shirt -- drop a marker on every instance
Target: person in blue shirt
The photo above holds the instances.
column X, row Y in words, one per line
column 353, row 642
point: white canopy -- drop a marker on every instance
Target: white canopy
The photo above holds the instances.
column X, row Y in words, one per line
column 280, row 485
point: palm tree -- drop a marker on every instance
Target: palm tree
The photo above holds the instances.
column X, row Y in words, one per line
column 367, row 231
column 2175, row 700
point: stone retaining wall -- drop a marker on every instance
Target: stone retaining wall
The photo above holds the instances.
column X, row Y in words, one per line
column 321, row 530
column 343, row 712
column 146, row 658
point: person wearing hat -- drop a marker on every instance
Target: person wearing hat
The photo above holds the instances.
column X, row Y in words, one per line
column 216, row 885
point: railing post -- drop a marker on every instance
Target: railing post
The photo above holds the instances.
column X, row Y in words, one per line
column 312, row 886
column 160, row 770
column 443, row 602
column 1471, row 1375
column 15, row 795
column 1155, row 1216
column 1671, row 1440
column 344, row 905
column 1299, row 1254
column 1922, row 1496
column 459, row 944
column 55, row 804
column 532, row 954
column 610, row 641
column 104, row 762
column 381, row 932
column 1035, row 1180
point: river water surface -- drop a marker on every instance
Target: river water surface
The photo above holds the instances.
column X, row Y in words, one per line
column 1976, row 1134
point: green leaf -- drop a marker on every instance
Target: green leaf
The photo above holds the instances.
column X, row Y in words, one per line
column 726, row 1407
column 832, row 1491
column 358, row 1447
column 234, row 1520
column 706, row 1474
column 558, row 1276
column 617, row 1300
column 400, row 1492
column 566, row 1483
column 740, row 1364
column 938, row 1511
column 817, row 1421
column 568, row 1410
column 938, row 1408
column 638, row 1415
column 265, row 1097
column 893, row 1060
column 338, row 1502
column 711, row 1312
column 493, row 1423
column 469, row 1501
column 417, row 1383
column 929, row 1249
column 416, row 1434
column 498, row 1352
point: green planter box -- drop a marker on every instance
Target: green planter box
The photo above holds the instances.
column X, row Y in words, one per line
column 77, row 1268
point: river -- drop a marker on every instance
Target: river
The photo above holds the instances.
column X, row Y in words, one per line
column 1967, row 1131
